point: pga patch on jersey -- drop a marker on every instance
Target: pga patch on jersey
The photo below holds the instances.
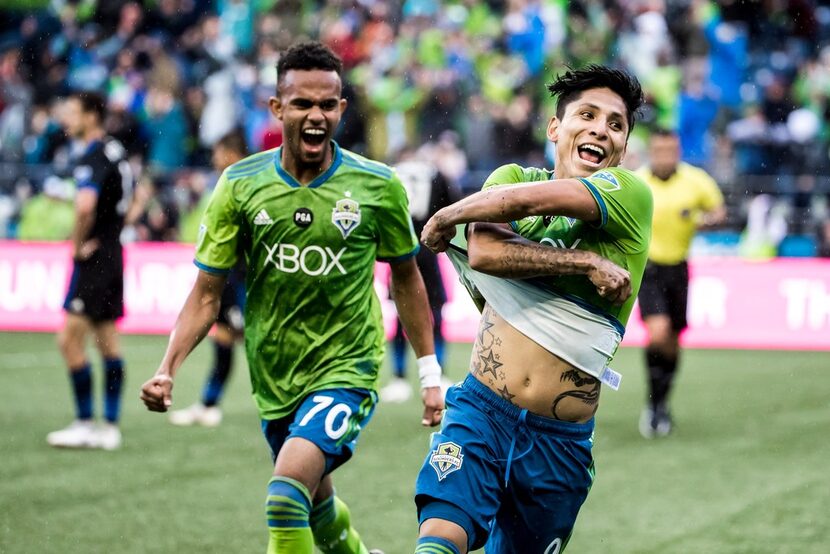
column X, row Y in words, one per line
column 445, row 459
column 346, row 215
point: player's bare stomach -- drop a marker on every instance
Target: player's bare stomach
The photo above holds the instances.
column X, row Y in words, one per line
column 527, row 375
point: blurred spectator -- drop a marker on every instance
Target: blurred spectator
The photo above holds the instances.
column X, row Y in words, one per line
column 167, row 130
column 45, row 134
column 514, row 129
column 697, row 109
column 746, row 84
column 728, row 43
column 15, row 99
column 49, row 215
column 428, row 190
column 153, row 214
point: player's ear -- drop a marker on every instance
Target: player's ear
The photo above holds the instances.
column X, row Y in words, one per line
column 343, row 105
column 553, row 129
column 275, row 105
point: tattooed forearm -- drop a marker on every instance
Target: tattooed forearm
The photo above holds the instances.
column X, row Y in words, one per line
column 520, row 260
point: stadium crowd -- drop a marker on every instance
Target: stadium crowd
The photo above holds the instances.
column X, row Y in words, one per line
column 746, row 85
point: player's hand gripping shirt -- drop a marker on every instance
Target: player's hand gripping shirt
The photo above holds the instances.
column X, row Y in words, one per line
column 312, row 319
column 565, row 314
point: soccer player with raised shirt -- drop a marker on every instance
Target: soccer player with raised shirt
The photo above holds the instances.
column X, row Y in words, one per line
column 552, row 258
column 311, row 219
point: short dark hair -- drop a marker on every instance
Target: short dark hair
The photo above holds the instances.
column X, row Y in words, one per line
column 91, row 102
column 307, row 56
column 235, row 142
column 568, row 86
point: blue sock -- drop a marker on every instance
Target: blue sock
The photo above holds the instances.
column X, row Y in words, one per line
column 82, row 389
column 215, row 384
column 113, row 381
column 439, row 351
column 399, row 352
column 436, row 545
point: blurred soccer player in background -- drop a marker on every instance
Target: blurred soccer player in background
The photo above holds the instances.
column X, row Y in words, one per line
column 428, row 191
column 686, row 198
column 311, row 219
column 95, row 297
column 512, row 464
column 230, row 322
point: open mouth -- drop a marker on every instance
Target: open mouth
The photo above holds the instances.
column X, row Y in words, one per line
column 314, row 136
column 591, row 153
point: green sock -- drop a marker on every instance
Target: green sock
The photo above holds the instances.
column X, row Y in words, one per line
column 287, row 510
column 333, row 532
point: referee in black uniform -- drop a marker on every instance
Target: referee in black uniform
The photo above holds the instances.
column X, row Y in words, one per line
column 94, row 300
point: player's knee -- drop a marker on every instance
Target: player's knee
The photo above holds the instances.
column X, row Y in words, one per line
column 70, row 347
column 288, row 503
column 61, row 342
column 664, row 343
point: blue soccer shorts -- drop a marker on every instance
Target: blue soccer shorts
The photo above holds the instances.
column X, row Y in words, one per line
column 513, row 480
column 331, row 419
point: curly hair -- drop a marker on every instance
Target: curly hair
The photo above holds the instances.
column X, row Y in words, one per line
column 568, row 86
column 307, row 56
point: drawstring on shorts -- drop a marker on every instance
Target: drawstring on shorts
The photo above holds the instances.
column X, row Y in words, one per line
column 521, row 424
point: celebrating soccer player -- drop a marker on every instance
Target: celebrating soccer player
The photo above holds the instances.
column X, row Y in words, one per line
column 311, row 219
column 512, row 464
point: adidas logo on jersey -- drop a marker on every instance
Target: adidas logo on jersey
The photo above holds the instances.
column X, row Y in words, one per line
column 262, row 218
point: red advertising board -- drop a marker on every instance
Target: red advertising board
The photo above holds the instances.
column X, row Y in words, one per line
column 733, row 303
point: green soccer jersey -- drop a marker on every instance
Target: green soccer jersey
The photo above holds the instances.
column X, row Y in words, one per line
column 622, row 235
column 312, row 319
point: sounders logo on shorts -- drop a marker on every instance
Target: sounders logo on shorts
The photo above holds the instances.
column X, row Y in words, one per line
column 346, row 215
column 445, row 459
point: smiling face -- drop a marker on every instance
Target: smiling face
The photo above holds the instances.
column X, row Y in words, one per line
column 591, row 135
column 310, row 107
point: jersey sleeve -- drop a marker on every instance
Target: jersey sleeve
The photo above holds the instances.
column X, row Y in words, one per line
column 216, row 244
column 396, row 236
column 91, row 173
column 505, row 175
column 625, row 206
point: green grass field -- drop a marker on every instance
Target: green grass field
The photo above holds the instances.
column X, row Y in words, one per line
column 745, row 472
